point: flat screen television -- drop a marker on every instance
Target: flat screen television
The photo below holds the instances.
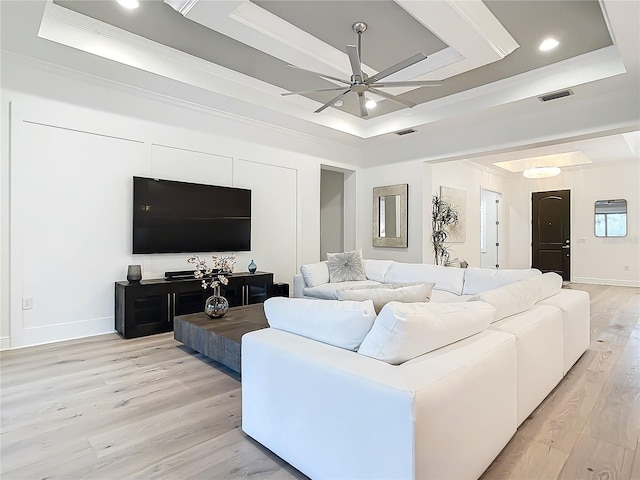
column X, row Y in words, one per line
column 174, row 217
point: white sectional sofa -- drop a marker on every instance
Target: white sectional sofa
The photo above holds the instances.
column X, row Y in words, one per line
column 451, row 284
column 429, row 390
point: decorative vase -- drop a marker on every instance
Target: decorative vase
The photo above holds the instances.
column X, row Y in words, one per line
column 216, row 305
column 252, row 267
column 134, row 273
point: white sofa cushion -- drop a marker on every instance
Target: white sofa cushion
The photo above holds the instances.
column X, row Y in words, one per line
column 315, row 274
column 511, row 299
column 550, row 284
column 376, row 269
column 404, row 331
column 329, row 291
column 478, row 280
column 440, row 296
column 342, row 324
column 383, row 294
column 345, row 266
column 445, row 278
column 538, row 331
column 576, row 331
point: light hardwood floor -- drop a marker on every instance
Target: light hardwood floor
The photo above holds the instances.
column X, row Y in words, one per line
column 108, row 408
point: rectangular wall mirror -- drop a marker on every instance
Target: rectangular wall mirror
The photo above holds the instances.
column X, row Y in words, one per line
column 390, row 216
column 611, row 218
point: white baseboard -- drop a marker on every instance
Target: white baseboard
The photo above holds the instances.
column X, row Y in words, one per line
column 607, row 281
column 66, row 331
column 5, row 343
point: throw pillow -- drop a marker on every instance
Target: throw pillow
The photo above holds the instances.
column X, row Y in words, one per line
column 513, row 298
column 342, row 324
column 446, row 278
column 345, row 267
column 383, row 294
column 478, row 280
column 315, row 274
column 404, row 331
column 376, row 269
column 550, row 284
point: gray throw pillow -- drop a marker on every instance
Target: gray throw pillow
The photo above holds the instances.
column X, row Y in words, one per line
column 345, row 267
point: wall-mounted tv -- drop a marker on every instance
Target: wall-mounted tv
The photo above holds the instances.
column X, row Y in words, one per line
column 173, row 217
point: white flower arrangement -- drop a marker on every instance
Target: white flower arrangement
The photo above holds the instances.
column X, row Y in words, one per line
column 215, row 275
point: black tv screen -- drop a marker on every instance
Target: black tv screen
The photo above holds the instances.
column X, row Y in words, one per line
column 173, row 217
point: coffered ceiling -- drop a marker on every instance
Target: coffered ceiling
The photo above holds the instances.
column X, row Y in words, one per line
column 238, row 54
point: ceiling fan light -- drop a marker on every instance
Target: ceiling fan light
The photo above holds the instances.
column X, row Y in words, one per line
column 359, row 82
column 130, row 4
column 541, row 172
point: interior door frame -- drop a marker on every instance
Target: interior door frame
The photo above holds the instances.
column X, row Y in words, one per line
column 571, row 222
column 501, row 250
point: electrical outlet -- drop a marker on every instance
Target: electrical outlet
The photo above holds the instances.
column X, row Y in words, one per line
column 626, row 268
column 27, row 303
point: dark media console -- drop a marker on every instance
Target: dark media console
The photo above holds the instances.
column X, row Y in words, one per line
column 149, row 306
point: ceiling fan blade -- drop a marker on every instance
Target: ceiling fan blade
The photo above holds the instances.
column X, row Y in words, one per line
column 354, row 58
column 363, row 105
column 302, row 92
column 396, row 68
column 321, row 75
column 393, row 98
column 415, row 83
column 331, row 102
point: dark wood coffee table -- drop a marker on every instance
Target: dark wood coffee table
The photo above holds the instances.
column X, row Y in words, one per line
column 220, row 338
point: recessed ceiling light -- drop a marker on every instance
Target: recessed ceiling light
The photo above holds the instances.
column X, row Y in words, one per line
column 541, row 172
column 130, row 4
column 371, row 104
column 548, row 44
column 338, row 103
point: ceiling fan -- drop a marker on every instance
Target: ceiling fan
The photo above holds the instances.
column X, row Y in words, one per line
column 360, row 82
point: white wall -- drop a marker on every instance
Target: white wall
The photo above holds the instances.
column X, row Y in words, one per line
column 70, row 207
column 472, row 179
column 417, row 175
column 273, row 217
column 4, row 227
column 593, row 259
column 350, row 209
column 424, row 180
column 331, row 212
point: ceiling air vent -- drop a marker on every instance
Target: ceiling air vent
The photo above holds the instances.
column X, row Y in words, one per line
column 555, row 95
column 406, row 132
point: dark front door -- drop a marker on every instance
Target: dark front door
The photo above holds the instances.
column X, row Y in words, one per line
column 550, row 231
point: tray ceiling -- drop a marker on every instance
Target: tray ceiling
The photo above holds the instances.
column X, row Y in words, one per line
column 486, row 52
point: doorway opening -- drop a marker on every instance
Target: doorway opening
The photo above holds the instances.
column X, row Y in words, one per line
column 490, row 213
column 551, row 232
column 331, row 212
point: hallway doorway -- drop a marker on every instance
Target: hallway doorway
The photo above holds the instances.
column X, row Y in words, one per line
column 331, row 212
